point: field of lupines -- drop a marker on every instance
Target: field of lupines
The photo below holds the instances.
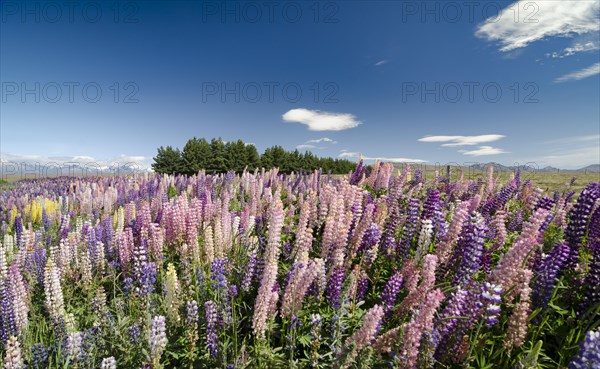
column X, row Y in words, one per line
column 265, row 270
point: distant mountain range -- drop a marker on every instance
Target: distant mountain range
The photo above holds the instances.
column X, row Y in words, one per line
column 590, row 169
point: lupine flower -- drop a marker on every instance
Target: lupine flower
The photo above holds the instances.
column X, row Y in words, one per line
column 212, row 342
column 39, row 356
column 265, row 294
column 334, row 287
column 158, row 339
column 172, row 291
column 592, row 283
column 469, row 250
column 54, row 297
column 108, row 363
column 315, row 335
column 74, row 346
column 444, row 249
column 367, row 332
column 589, row 354
column 517, row 324
column 421, row 323
column 249, row 273
column 12, row 358
column 390, row 291
column 410, row 228
column 548, row 270
column 492, row 298
column 578, row 219
column 135, row 333
column 424, row 241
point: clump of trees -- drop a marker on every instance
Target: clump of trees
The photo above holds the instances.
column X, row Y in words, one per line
column 218, row 156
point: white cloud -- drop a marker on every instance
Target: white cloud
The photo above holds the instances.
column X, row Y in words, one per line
column 324, row 139
column 461, row 140
column 355, row 155
column 484, row 150
column 306, row 146
column 576, row 48
column 575, row 139
column 381, row 62
column 571, row 158
column 580, row 74
column 321, row 121
column 525, row 22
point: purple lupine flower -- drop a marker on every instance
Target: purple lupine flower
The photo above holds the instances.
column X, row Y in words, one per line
column 135, row 333
column 410, row 228
column 361, row 290
column 370, row 238
column 19, row 230
column 498, row 201
column 578, row 219
column 191, row 313
column 334, row 287
column 516, row 222
column 358, row 173
column 592, row 282
column 8, row 325
column 549, row 268
column 432, row 209
column 147, row 278
column 158, row 338
column 249, row 273
column 589, row 354
column 492, row 298
column 39, row 356
column 39, row 260
column 388, row 244
column 447, row 335
column 390, row 292
column 467, row 256
column 212, row 342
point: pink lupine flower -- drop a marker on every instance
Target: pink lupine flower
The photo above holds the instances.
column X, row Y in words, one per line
column 421, row 322
column 444, row 249
column 365, row 335
column 271, row 256
column 517, row 324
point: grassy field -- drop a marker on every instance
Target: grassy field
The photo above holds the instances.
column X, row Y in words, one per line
column 547, row 181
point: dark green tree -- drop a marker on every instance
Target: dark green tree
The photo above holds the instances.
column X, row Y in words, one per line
column 168, row 160
column 236, row 156
column 218, row 160
column 196, row 155
column 252, row 157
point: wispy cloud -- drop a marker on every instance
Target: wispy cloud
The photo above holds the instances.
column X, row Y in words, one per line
column 355, row 155
column 461, row 140
column 324, row 139
column 538, row 20
column 575, row 139
column 576, row 48
column 483, row 151
column 381, row 62
column 317, row 120
column 580, row 74
column 306, row 147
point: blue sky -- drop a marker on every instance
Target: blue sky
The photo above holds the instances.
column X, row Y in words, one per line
column 418, row 81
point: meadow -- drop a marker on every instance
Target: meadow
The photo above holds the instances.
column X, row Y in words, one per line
column 374, row 269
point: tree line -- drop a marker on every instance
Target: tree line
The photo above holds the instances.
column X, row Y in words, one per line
column 218, row 156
